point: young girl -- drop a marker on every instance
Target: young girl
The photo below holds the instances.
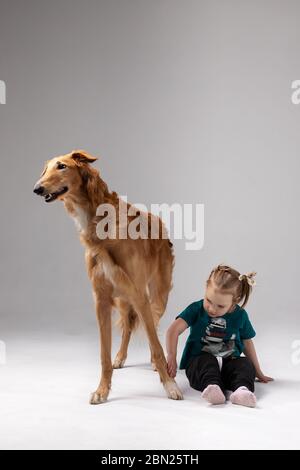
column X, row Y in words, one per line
column 220, row 332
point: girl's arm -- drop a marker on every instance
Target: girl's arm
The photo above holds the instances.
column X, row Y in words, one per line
column 250, row 352
column 174, row 330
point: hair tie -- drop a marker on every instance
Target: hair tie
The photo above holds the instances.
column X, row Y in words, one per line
column 249, row 277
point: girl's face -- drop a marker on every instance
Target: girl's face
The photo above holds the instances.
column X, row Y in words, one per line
column 217, row 304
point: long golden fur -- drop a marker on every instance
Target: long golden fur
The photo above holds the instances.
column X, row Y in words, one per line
column 133, row 275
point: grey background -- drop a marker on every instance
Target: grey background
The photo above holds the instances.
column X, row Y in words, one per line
column 185, row 101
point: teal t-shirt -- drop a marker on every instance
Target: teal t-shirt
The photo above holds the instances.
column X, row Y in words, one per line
column 220, row 336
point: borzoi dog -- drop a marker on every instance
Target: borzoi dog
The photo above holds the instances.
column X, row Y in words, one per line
column 133, row 275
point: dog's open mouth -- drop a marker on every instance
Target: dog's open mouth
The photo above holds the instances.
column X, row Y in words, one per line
column 52, row 196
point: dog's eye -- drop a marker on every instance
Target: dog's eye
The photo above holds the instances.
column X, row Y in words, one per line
column 61, row 166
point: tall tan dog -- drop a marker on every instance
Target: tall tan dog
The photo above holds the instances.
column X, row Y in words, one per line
column 133, row 275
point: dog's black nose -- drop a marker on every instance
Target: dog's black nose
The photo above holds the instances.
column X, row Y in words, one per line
column 38, row 189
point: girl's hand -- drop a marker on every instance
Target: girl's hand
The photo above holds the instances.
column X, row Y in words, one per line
column 172, row 366
column 263, row 378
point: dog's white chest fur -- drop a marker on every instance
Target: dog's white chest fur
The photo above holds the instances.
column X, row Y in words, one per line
column 80, row 219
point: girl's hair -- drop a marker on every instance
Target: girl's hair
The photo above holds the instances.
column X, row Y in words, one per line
column 228, row 279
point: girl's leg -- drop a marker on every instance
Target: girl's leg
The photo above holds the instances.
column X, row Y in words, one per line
column 204, row 374
column 239, row 375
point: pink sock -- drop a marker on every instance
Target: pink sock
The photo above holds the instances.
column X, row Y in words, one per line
column 243, row 396
column 214, row 395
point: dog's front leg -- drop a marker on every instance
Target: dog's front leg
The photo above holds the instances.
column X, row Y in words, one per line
column 103, row 311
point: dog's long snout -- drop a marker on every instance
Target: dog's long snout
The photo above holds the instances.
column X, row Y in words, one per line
column 38, row 189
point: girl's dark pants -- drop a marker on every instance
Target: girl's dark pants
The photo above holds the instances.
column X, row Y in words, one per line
column 204, row 370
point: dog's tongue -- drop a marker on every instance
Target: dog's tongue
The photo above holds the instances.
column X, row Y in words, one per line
column 52, row 196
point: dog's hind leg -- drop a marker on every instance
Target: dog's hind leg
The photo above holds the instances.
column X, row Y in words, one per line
column 143, row 309
column 159, row 287
column 128, row 321
column 157, row 310
column 158, row 306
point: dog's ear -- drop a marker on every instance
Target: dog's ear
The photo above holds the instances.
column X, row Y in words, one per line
column 80, row 156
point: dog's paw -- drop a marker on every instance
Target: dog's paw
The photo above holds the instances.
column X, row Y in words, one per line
column 118, row 363
column 97, row 398
column 173, row 391
column 154, row 366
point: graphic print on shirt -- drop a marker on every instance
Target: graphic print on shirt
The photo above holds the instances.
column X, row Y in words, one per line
column 214, row 339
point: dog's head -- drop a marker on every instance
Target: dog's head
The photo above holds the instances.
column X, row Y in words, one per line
column 63, row 175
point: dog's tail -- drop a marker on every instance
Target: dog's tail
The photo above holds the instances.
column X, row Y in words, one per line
column 132, row 322
column 128, row 318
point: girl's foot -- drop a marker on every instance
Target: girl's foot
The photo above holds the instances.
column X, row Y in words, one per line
column 214, row 395
column 243, row 396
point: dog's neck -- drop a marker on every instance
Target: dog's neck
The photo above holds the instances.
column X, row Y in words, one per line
column 80, row 212
column 83, row 204
column 82, row 219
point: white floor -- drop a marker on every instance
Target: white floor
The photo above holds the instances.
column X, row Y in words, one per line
column 46, row 382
